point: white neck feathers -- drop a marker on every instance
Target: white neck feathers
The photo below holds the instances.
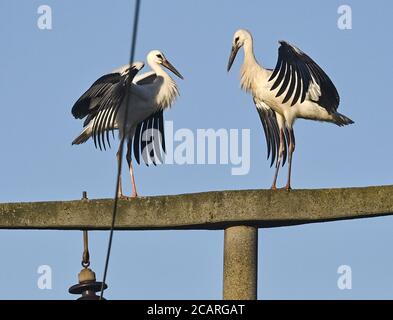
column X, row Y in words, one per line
column 250, row 67
column 166, row 86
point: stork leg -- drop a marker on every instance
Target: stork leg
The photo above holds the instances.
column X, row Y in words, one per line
column 129, row 161
column 120, row 190
column 291, row 149
column 279, row 159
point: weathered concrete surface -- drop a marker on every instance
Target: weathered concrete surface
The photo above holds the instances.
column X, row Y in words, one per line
column 210, row 210
column 240, row 263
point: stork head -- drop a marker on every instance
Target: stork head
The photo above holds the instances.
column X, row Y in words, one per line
column 240, row 38
column 157, row 57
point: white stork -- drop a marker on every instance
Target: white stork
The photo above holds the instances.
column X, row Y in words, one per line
column 296, row 88
column 103, row 105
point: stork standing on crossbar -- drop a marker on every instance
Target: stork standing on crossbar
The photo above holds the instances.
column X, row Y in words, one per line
column 103, row 105
column 296, row 88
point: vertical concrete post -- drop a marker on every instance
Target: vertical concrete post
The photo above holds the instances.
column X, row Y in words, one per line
column 240, row 263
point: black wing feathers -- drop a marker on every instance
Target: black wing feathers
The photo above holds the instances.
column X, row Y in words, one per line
column 101, row 103
column 84, row 106
column 149, row 139
column 295, row 71
column 107, row 111
column 272, row 134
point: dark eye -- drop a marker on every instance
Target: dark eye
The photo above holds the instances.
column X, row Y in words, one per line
column 236, row 39
column 159, row 56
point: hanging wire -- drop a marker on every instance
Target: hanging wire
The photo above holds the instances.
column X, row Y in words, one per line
column 127, row 98
column 86, row 254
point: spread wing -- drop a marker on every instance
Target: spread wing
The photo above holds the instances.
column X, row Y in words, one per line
column 272, row 131
column 102, row 101
column 300, row 77
column 149, row 139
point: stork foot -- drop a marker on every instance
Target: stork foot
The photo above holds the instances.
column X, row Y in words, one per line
column 123, row 197
column 288, row 188
column 134, row 195
column 273, row 187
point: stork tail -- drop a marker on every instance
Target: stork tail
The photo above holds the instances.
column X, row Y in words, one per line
column 341, row 120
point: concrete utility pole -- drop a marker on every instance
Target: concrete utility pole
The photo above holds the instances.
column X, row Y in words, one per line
column 239, row 213
column 240, row 263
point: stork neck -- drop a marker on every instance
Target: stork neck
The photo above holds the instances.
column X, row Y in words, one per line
column 166, row 87
column 250, row 68
column 158, row 70
column 249, row 57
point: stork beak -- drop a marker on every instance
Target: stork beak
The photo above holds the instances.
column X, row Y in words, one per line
column 232, row 57
column 169, row 66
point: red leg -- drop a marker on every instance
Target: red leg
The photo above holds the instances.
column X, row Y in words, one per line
column 129, row 161
column 120, row 190
column 291, row 148
column 134, row 193
column 279, row 159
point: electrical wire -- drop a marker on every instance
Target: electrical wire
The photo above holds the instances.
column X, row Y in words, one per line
column 127, row 99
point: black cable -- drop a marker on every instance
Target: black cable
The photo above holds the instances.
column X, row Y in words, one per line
column 127, row 98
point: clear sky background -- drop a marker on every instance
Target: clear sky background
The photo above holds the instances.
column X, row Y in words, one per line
column 42, row 73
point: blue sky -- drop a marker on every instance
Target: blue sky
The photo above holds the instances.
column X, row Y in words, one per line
column 44, row 72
